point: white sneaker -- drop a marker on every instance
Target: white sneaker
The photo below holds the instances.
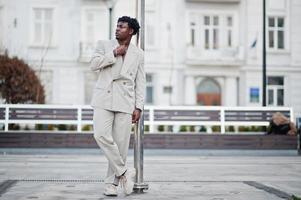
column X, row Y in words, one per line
column 110, row 190
column 127, row 181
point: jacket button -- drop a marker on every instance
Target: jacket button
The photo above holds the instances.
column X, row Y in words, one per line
column 124, row 83
column 109, row 91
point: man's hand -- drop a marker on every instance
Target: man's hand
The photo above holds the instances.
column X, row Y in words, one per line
column 120, row 51
column 136, row 115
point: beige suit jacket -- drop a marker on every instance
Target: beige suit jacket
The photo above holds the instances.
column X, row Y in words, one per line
column 116, row 90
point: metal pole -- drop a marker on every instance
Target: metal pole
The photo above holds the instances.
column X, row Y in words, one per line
column 142, row 23
column 264, row 57
column 139, row 127
column 137, row 17
column 139, row 185
column 110, row 22
column 299, row 141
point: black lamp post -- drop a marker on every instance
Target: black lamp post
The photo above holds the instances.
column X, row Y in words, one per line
column 264, row 78
column 110, row 22
column 110, row 4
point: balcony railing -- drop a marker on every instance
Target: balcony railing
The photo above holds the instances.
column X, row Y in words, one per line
column 221, row 56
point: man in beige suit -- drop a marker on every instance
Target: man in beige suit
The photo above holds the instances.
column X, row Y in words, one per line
column 117, row 101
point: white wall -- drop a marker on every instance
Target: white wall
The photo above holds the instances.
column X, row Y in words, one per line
column 63, row 73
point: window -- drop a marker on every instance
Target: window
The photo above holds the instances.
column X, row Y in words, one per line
column 211, row 32
column 254, row 95
column 229, row 31
column 192, row 34
column 43, row 26
column 149, row 89
column 90, row 33
column 276, row 32
column 275, row 89
column 94, row 27
column 151, row 21
column 150, row 34
column 167, row 89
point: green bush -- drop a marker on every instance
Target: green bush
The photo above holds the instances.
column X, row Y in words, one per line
column 216, row 129
column 62, row 127
column 191, row 129
column 50, row 127
column 160, row 128
column 87, row 128
column 146, row 128
column 230, row 129
column 241, row 129
column 72, row 128
column 183, row 128
column 258, row 128
column 203, row 129
column 252, row 129
column 14, row 127
column 39, row 127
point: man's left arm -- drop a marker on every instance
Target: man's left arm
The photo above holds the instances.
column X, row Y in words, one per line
column 139, row 88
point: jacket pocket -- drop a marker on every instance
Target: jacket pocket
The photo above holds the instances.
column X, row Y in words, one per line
column 129, row 87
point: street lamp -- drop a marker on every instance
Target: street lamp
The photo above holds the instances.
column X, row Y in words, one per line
column 264, row 78
column 140, row 185
column 110, row 5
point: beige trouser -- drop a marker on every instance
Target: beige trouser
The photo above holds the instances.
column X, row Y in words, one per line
column 112, row 132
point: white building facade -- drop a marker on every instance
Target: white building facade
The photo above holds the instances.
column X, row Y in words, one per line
column 198, row 52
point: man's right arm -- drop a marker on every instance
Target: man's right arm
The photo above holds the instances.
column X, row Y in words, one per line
column 100, row 58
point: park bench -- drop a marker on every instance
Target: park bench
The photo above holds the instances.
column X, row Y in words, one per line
column 212, row 116
column 154, row 116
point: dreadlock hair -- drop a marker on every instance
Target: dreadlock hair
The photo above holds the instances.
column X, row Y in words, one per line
column 132, row 22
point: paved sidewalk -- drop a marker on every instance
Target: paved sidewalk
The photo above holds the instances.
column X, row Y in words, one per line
column 178, row 175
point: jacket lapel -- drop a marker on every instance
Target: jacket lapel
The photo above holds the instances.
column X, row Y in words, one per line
column 130, row 56
column 118, row 59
